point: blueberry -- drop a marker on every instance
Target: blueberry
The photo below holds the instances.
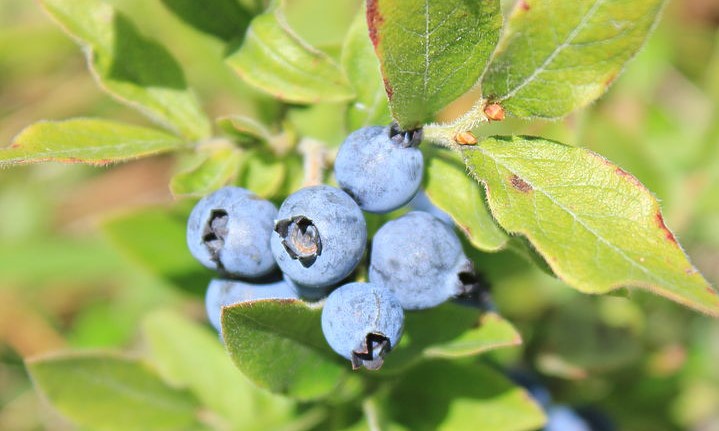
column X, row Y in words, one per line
column 362, row 322
column 381, row 171
column 320, row 236
column 309, row 294
column 420, row 259
column 421, row 202
column 229, row 231
column 222, row 293
column 562, row 418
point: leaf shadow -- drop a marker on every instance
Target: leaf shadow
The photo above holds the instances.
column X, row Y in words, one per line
column 141, row 61
column 428, row 328
column 422, row 399
column 223, row 19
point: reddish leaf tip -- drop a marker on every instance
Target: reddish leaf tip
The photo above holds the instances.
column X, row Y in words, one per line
column 627, row 175
column 374, row 21
column 667, row 233
column 610, row 80
column 388, row 88
column 524, row 5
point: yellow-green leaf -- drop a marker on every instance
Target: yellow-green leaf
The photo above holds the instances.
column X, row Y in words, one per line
column 556, row 56
column 191, row 356
column 274, row 59
column 85, row 140
column 451, row 190
column 109, row 392
column 213, row 166
column 130, row 67
column 596, row 225
column 362, row 68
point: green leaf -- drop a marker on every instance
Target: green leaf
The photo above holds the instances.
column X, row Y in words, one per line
column 556, row 56
column 279, row 345
column 214, row 165
column 596, row 225
column 85, row 140
column 431, row 52
column 450, row 189
column 324, row 122
column 135, row 70
column 443, row 395
column 262, row 173
column 191, row 356
column 362, row 68
column 492, row 333
column 244, row 129
column 109, row 392
column 449, row 331
column 224, row 19
column 155, row 239
column 274, row 59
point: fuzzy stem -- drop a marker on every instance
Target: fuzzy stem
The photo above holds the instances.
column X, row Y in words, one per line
column 314, row 154
column 445, row 135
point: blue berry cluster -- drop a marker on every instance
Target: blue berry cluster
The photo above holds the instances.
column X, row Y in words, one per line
column 318, row 237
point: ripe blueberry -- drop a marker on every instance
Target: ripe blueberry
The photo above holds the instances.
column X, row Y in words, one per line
column 229, row 231
column 319, row 236
column 221, row 293
column 420, row 259
column 562, row 418
column 421, row 202
column 362, row 322
column 379, row 169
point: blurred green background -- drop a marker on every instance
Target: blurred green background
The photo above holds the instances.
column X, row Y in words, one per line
column 644, row 361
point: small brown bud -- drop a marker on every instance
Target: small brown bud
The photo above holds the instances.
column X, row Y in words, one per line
column 465, row 138
column 494, row 112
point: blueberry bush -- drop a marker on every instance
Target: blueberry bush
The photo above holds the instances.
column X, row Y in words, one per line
column 359, row 215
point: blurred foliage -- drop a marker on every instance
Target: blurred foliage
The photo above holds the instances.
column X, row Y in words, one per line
column 646, row 362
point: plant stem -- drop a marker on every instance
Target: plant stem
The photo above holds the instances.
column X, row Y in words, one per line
column 314, row 154
column 446, row 135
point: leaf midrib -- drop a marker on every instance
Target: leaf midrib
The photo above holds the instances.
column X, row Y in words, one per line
column 599, row 237
column 566, row 43
column 49, row 151
column 277, row 56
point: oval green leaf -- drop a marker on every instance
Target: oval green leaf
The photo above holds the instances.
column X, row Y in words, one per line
column 155, row 239
column 279, row 345
column 596, row 225
column 556, row 56
column 130, row 67
column 214, row 165
column 444, row 395
column 244, row 129
column 85, row 140
column 449, row 331
column 262, row 173
column 274, row 59
column 191, row 356
column 110, row 392
column 451, row 190
column 431, row 52
column 362, row 68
